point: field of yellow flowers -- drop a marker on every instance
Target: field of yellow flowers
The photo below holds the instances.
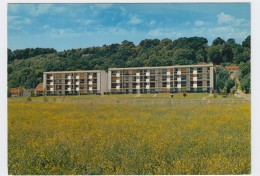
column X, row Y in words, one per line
column 74, row 138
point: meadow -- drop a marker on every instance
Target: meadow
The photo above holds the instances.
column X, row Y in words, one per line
column 78, row 138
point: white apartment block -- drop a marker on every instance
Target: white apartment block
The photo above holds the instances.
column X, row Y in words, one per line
column 181, row 78
column 75, row 82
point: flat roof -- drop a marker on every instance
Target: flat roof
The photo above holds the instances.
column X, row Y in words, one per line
column 174, row 66
column 78, row 71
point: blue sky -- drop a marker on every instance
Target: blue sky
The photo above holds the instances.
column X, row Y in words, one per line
column 67, row 26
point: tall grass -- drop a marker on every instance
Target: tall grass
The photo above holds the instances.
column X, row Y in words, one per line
column 67, row 138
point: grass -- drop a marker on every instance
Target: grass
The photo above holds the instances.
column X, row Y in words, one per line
column 69, row 138
column 130, row 97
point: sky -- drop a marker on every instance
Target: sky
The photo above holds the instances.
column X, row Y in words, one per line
column 67, row 26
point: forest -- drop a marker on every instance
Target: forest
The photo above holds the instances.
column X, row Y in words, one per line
column 26, row 66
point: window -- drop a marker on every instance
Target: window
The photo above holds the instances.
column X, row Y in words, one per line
column 113, row 85
column 152, row 78
column 199, row 76
column 164, row 84
column 164, row 71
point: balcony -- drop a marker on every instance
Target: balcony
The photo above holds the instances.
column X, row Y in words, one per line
column 77, row 77
column 117, row 74
column 147, row 86
column 118, row 81
column 178, row 72
column 195, row 79
column 168, row 79
column 195, row 72
column 77, row 83
column 147, row 74
column 90, row 83
column 178, row 79
column 117, row 87
column 147, row 80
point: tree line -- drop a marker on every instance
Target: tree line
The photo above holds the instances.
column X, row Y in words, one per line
column 26, row 67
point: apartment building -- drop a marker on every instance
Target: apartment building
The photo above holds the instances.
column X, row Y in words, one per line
column 181, row 78
column 75, row 82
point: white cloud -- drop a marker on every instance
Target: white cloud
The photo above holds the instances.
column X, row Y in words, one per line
column 123, row 10
column 199, row 23
column 135, row 20
column 46, row 27
column 85, row 22
column 226, row 19
column 17, row 22
column 152, row 22
column 163, row 33
column 39, row 9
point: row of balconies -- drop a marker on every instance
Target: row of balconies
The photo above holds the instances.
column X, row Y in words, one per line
column 70, row 77
column 76, row 83
column 167, row 80
column 167, row 86
column 70, row 89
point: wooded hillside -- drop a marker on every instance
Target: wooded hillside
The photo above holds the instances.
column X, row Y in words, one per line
column 26, row 67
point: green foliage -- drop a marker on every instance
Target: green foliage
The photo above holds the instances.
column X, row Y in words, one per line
column 242, row 54
column 244, row 76
column 218, row 41
column 184, row 57
column 214, row 54
column 26, row 67
column 245, row 84
column 230, row 83
column 27, row 53
column 247, row 42
column 222, row 76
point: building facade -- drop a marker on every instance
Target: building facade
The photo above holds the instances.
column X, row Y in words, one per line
column 182, row 78
column 75, row 82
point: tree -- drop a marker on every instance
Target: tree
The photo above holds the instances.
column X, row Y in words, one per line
column 247, row 42
column 227, row 53
column 242, row 54
column 214, row 54
column 222, row 76
column 10, row 55
column 245, row 84
column 184, row 57
column 244, row 69
column 230, row 83
column 218, row 41
column 244, row 76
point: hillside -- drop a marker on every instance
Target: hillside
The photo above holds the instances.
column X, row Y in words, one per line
column 26, row 67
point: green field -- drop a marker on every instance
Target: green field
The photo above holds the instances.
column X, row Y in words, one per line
column 117, row 138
